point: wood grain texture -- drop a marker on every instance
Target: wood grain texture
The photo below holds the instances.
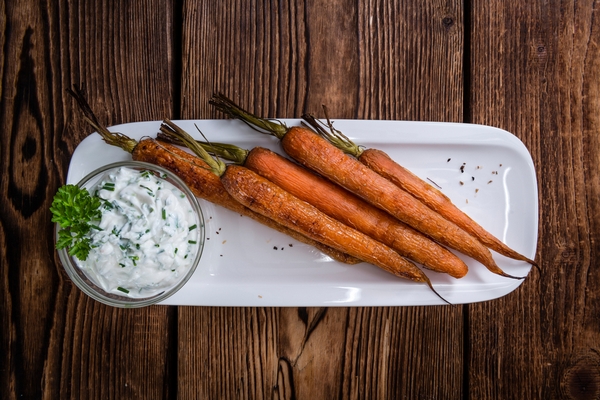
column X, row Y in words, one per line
column 531, row 68
column 535, row 71
column 411, row 77
column 278, row 61
column 56, row 342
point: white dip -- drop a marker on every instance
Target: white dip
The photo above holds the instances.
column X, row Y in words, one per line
column 148, row 238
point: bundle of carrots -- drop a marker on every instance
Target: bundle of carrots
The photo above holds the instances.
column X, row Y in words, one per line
column 423, row 208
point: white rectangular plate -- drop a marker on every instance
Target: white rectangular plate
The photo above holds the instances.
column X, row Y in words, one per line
column 247, row 264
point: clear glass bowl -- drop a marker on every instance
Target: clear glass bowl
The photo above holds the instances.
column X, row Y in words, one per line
column 88, row 285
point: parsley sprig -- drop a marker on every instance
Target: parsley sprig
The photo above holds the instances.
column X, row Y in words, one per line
column 75, row 210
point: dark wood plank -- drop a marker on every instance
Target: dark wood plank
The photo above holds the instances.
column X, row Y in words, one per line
column 373, row 60
column 535, row 69
column 57, row 343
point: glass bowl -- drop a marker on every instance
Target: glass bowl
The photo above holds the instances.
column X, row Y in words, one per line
column 87, row 278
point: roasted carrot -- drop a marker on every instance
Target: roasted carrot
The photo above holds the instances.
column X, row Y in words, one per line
column 383, row 164
column 195, row 173
column 316, row 153
column 342, row 205
column 266, row 198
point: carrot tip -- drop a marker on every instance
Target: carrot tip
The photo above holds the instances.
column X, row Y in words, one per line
column 504, row 274
column 437, row 294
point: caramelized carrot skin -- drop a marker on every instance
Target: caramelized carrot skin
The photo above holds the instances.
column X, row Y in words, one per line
column 381, row 163
column 206, row 185
column 268, row 199
column 349, row 209
column 321, row 156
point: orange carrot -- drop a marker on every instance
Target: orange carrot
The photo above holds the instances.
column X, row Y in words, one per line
column 313, row 151
column 266, row 198
column 195, row 173
column 381, row 163
column 342, row 205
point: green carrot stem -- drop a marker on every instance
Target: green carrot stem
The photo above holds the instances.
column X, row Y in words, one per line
column 170, row 129
column 112, row 138
column 334, row 136
column 226, row 151
column 262, row 125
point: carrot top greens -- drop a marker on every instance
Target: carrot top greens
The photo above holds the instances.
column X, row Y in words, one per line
column 223, row 150
column 263, row 125
column 112, row 138
column 334, row 136
column 170, row 129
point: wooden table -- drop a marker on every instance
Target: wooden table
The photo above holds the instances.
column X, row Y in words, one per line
column 532, row 69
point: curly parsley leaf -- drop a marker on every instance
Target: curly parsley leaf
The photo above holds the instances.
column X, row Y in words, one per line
column 75, row 210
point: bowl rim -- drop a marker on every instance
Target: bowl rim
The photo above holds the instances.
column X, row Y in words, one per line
column 90, row 288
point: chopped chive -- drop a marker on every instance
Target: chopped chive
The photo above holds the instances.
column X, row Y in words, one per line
column 122, row 289
column 157, row 245
column 176, row 250
column 193, row 227
column 122, row 265
column 192, row 242
column 164, row 214
column 147, row 188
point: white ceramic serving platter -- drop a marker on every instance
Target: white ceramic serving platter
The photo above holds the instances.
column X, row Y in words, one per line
column 247, row 264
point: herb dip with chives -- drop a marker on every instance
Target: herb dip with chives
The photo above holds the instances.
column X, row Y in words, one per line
column 147, row 237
